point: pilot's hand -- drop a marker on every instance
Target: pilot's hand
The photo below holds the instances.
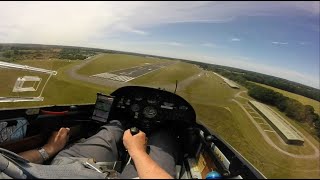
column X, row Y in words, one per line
column 135, row 144
column 57, row 141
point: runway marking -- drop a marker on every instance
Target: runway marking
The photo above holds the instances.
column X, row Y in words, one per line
column 114, row 77
column 123, row 76
column 269, row 131
column 257, row 117
column 264, row 124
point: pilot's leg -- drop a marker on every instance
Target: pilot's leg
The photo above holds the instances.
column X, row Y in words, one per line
column 101, row 146
column 163, row 150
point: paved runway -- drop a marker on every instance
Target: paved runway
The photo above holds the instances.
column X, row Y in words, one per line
column 125, row 75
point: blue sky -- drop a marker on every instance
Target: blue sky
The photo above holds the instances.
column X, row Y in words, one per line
column 276, row 38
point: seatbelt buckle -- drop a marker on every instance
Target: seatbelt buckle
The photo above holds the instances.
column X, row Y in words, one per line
column 92, row 166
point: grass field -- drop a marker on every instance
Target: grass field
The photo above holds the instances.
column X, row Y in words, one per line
column 304, row 100
column 210, row 97
column 211, row 100
column 8, row 78
column 52, row 64
column 167, row 75
column 112, row 62
column 57, row 91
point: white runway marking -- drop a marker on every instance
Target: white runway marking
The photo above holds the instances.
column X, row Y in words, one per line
column 124, row 76
column 268, row 130
column 257, row 117
column 114, row 77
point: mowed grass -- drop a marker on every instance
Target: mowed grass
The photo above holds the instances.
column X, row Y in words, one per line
column 8, row 79
column 210, row 98
column 53, row 64
column 58, row 91
column 304, row 100
column 168, row 75
column 209, row 88
column 112, row 62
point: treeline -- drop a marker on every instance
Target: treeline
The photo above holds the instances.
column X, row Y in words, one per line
column 15, row 54
column 12, row 52
column 283, row 84
column 11, row 55
column 71, row 54
column 291, row 107
column 276, row 82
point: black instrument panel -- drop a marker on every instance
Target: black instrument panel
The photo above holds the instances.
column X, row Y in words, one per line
column 148, row 107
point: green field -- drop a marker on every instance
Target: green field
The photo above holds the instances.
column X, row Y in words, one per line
column 112, row 62
column 52, row 64
column 57, row 91
column 210, row 97
column 208, row 94
column 304, row 100
column 167, row 75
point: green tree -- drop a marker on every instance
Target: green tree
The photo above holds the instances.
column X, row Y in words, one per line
column 8, row 54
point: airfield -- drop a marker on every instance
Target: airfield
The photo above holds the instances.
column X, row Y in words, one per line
column 224, row 109
column 128, row 74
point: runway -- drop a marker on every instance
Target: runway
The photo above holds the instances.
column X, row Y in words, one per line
column 128, row 74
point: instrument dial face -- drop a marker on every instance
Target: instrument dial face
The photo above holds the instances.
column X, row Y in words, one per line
column 183, row 108
column 168, row 104
column 135, row 107
column 149, row 112
column 138, row 98
column 152, row 101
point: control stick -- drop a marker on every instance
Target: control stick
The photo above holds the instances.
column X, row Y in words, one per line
column 134, row 131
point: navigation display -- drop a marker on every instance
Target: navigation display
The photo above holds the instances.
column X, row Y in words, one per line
column 102, row 107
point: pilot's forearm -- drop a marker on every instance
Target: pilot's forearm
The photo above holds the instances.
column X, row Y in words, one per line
column 147, row 168
column 34, row 155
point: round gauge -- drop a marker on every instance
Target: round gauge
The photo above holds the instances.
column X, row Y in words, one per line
column 168, row 104
column 183, row 108
column 138, row 98
column 152, row 101
column 135, row 107
column 149, row 112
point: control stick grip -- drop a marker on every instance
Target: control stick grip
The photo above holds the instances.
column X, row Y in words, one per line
column 134, row 131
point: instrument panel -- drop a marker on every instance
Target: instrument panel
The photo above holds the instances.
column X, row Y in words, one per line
column 149, row 107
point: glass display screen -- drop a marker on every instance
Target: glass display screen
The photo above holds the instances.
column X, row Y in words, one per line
column 102, row 108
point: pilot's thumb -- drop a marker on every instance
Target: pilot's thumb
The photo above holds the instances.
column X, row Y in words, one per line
column 64, row 131
column 68, row 130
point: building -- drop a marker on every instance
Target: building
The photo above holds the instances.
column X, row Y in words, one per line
column 286, row 132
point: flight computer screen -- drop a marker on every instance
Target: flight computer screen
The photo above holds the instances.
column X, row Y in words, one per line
column 102, row 107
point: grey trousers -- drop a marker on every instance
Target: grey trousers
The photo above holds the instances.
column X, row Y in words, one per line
column 104, row 145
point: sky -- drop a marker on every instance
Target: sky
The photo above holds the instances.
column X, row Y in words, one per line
column 275, row 38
